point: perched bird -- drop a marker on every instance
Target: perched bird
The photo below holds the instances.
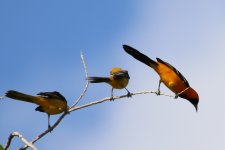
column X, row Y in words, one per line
column 118, row 80
column 51, row 103
column 169, row 75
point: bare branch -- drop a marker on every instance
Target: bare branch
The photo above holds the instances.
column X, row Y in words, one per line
column 114, row 98
column 87, row 82
column 12, row 135
column 87, row 105
column 46, row 131
column 65, row 113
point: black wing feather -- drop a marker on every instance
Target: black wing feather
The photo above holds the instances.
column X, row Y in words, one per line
column 175, row 70
column 52, row 95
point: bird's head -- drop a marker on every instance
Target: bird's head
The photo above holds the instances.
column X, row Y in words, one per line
column 192, row 96
column 115, row 70
column 118, row 72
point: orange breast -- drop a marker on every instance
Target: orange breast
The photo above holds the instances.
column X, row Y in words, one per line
column 119, row 83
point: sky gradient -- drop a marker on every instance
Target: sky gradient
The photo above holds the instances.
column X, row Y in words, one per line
column 40, row 44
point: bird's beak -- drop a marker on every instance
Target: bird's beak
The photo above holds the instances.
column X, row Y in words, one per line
column 196, row 107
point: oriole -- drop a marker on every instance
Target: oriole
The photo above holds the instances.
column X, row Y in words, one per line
column 169, row 75
column 49, row 102
column 118, row 80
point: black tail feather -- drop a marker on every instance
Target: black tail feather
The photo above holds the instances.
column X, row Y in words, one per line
column 139, row 56
column 98, row 79
column 19, row 96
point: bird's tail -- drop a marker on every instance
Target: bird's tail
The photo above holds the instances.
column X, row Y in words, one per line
column 98, row 79
column 139, row 56
column 20, row 96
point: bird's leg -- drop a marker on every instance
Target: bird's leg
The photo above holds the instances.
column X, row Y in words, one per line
column 128, row 93
column 111, row 98
column 158, row 91
column 49, row 126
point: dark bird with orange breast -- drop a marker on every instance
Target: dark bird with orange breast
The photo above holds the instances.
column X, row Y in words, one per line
column 51, row 103
column 118, row 80
column 169, row 75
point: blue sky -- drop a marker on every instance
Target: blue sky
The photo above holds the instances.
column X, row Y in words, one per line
column 40, row 44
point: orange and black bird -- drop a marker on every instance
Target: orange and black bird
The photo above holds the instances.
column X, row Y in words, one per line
column 169, row 75
column 118, row 80
column 51, row 103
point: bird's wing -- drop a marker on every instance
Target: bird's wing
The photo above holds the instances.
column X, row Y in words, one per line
column 175, row 70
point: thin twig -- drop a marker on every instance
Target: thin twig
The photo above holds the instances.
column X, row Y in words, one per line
column 46, row 131
column 12, row 135
column 87, row 82
column 87, row 105
column 114, row 98
column 65, row 113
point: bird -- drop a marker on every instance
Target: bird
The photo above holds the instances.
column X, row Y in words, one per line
column 51, row 103
column 118, row 79
column 169, row 75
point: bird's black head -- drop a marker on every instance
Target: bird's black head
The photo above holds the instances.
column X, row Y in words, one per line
column 192, row 96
